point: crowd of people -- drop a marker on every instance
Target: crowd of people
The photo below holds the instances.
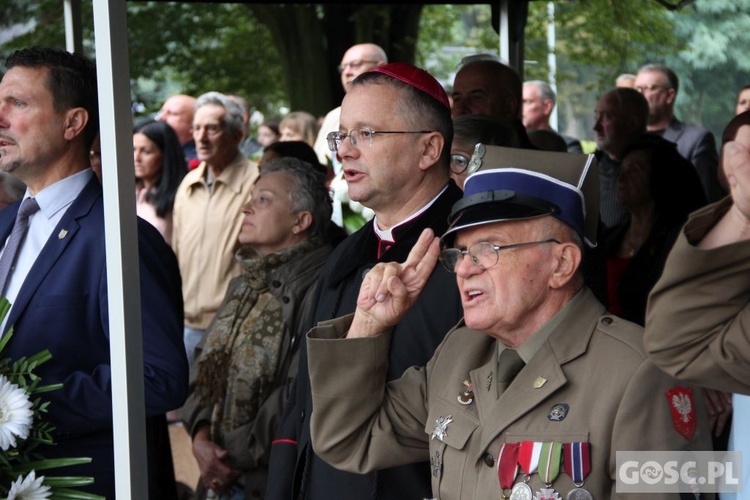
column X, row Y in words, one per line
column 253, row 294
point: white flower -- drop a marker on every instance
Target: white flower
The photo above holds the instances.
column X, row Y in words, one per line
column 340, row 188
column 30, row 488
column 15, row 413
column 359, row 208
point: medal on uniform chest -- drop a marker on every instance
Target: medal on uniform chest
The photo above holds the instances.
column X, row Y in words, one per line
column 507, row 467
column 441, row 427
column 549, row 468
column 466, row 397
column 528, row 459
column 577, row 464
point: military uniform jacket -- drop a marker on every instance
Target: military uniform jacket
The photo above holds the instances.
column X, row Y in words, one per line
column 696, row 324
column 592, row 362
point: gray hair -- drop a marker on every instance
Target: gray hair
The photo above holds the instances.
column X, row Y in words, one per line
column 309, row 192
column 234, row 116
column 672, row 80
column 623, row 77
column 475, row 58
column 545, row 91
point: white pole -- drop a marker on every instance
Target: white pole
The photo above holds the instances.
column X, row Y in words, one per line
column 504, row 35
column 551, row 58
column 121, row 237
column 73, row 33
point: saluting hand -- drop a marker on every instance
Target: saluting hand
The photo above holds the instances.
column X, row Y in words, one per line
column 737, row 170
column 390, row 289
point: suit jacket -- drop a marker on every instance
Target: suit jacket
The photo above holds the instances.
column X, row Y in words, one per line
column 699, row 146
column 696, row 323
column 62, row 306
column 592, row 362
column 295, row 471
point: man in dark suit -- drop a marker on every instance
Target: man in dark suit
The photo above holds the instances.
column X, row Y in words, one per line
column 57, row 282
column 659, row 85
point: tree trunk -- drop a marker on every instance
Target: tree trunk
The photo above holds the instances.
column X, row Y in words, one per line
column 312, row 39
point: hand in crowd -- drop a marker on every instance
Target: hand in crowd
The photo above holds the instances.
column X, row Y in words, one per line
column 390, row 288
column 216, row 473
column 737, row 171
column 719, row 407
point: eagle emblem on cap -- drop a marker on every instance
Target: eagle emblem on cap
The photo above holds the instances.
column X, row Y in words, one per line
column 476, row 159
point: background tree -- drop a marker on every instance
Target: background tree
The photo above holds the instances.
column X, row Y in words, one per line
column 714, row 63
column 282, row 56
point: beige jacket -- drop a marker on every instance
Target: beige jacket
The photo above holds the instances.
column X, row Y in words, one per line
column 592, row 362
column 204, row 235
column 698, row 314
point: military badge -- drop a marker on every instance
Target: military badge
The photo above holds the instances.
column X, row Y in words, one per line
column 547, row 494
column 558, row 412
column 682, row 406
column 579, row 494
column 521, row 491
column 539, row 382
column 476, row 159
column 441, row 427
column 577, row 464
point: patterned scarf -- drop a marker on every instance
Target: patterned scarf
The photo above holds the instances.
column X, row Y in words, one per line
column 237, row 368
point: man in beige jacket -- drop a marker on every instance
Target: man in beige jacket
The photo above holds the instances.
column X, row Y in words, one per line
column 582, row 383
column 207, row 215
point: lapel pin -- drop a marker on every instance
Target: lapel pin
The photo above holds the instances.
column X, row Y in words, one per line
column 62, row 234
column 539, row 382
column 466, row 397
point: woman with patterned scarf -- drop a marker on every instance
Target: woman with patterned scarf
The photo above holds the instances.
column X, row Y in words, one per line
column 240, row 380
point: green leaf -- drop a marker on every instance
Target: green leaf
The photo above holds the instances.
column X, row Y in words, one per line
column 53, row 463
column 70, row 494
column 68, row 481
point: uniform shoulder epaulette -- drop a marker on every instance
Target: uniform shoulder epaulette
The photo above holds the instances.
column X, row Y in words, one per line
column 623, row 331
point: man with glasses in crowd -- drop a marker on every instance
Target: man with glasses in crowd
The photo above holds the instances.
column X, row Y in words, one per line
column 394, row 143
column 659, row 85
column 207, row 216
column 537, row 374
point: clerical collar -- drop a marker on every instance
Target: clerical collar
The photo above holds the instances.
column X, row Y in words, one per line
column 387, row 234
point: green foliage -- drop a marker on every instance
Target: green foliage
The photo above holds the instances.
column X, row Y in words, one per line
column 193, row 48
column 175, row 48
column 714, row 63
column 447, row 33
column 236, row 48
column 595, row 40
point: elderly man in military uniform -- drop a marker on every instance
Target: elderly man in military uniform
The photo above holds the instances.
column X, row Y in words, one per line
column 535, row 391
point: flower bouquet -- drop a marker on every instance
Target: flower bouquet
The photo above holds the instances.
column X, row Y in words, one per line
column 23, row 429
